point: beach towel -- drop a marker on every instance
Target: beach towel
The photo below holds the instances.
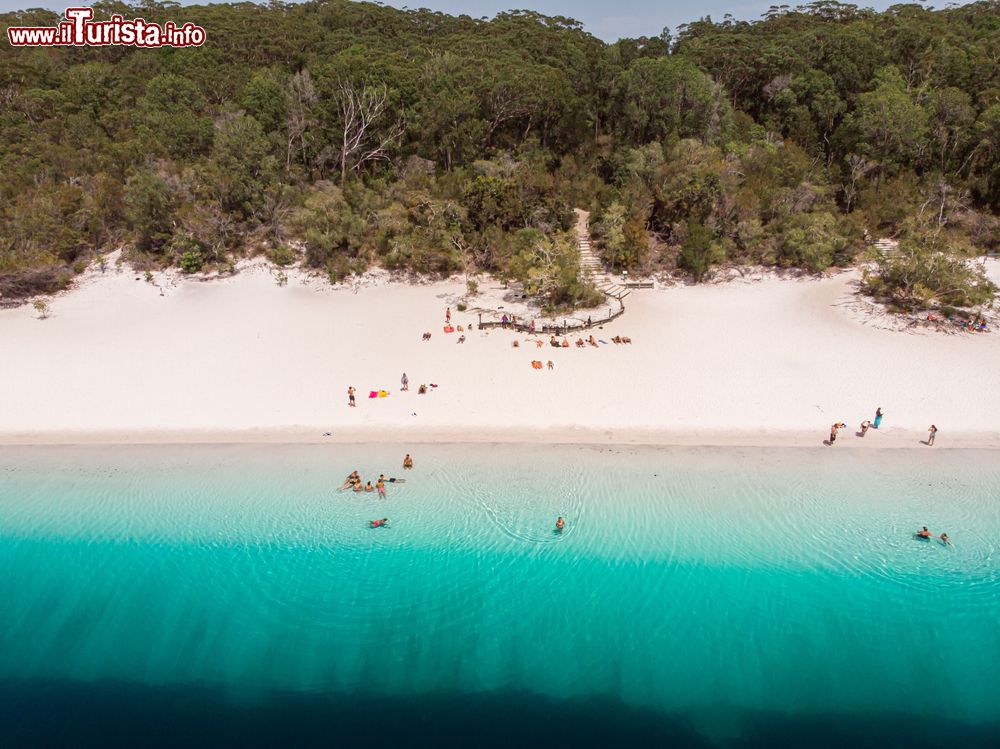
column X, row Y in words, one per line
column 382, row 393
column 373, row 394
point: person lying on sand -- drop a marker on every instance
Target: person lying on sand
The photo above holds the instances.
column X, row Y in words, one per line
column 592, row 342
column 626, row 339
column 422, row 390
column 580, row 343
column 565, row 343
column 515, row 344
column 616, row 339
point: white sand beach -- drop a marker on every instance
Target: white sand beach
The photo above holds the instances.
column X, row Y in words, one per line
column 767, row 361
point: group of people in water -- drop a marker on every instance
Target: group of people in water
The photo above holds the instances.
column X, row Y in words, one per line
column 926, row 534
column 355, row 483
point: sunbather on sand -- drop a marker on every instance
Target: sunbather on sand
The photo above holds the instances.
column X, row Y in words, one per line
column 626, row 339
column 580, row 343
column 565, row 343
column 592, row 342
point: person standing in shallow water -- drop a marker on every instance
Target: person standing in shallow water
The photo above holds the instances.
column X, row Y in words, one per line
column 560, row 524
column 407, row 461
column 878, row 418
column 932, row 434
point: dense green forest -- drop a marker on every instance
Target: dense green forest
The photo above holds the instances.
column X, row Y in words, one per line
column 348, row 134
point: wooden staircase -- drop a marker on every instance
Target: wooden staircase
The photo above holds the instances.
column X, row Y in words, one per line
column 591, row 265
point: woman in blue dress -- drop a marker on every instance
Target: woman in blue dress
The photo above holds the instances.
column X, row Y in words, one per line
column 878, row 418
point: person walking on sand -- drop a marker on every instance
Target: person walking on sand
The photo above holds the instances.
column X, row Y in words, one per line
column 350, row 396
column 864, row 427
column 878, row 418
column 930, row 437
column 447, row 315
column 834, row 428
column 405, row 382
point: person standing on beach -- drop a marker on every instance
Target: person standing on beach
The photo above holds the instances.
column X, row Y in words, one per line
column 864, row 427
column 447, row 315
column 932, row 435
column 350, row 396
column 404, row 382
column 878, row 418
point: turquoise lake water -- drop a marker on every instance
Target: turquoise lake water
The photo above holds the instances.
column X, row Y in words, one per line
column 702, row 597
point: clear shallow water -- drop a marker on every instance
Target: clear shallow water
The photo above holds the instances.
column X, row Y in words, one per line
column 701, row 597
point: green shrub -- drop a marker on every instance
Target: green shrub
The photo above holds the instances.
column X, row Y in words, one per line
column 191, row 261
column 461, row 307
column 281, row 255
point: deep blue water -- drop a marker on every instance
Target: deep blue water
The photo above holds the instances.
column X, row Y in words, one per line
column 739, row 598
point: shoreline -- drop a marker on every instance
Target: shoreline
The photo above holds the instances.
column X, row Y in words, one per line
column 886, row 439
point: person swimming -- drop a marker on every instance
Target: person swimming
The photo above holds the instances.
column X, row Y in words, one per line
column 349, row 481
column 358, row 486
column 369, row 487
column 383, row 523
column 945, row 540
column 560, row 524
column 924, row 533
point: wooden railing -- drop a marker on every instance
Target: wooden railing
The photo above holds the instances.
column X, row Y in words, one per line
column 521, row 326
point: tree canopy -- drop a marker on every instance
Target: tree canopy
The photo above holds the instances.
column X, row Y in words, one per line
column 351, row 133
